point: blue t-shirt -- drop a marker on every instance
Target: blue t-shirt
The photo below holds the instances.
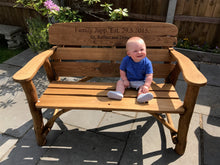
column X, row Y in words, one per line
column 136, row 71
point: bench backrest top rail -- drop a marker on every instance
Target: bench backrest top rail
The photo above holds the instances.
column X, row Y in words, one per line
column 112, row 33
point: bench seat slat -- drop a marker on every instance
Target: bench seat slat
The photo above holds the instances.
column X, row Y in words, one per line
column 104, row 103
column 103, row 85
column 101, row 92
column 92, row 95
column 85, row 85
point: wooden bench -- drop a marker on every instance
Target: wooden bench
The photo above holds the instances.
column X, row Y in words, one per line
column 95, row 49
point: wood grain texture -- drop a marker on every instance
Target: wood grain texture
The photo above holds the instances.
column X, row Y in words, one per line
column 37, row 116
column 184, row 121
column 93, row 69
column 103, row 85
column 190, row 73
column 31, row 68
column 86, row 95
column 100, row 69
column 104, row 103
column 114, row 54
column 112, row 33
column 100, row 92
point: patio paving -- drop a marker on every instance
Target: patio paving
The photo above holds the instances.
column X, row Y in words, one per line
column 96, row 137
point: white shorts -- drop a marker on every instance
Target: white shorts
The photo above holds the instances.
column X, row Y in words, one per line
column 136, row 84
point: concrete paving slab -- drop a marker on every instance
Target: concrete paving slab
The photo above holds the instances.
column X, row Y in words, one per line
column 7, row 70
column 202, row 109
column 209, row 95
column 22, row 58
column 192, row 154
column 130, row 114
column 114, row 124
column 215, row 110
column 6, row 143
column 181, row 87
column 150, row 143
column 211, row 72
column 211, row 140
column 27, row 152
column 83, row 118
column 15, row 118
column 83, row 147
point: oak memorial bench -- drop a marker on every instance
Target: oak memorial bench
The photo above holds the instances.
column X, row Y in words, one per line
column 95, row 49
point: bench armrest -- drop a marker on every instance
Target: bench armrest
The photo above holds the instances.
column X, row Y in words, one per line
column 190, row 72
column 27, row 72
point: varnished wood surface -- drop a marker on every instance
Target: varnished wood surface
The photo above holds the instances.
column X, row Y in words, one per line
column 104, row 103
column 102, row 69
column 103, row 85
column 31, row 68
column 94, row 96
column 184, row 121
column 112, row 33
column 109, row 54
column 100, row 92
column 190, row 72
column 37, row 116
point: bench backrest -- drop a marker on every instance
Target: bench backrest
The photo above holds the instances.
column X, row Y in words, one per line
column 96, row 48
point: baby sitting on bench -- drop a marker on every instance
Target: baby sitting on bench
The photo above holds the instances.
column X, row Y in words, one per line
column 136, row 71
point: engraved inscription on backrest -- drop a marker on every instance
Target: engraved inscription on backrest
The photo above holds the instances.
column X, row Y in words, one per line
column 112, row 33
column 102, row 45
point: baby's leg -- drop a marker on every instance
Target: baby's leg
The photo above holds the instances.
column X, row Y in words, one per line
column 120, row 87
column 118, row 94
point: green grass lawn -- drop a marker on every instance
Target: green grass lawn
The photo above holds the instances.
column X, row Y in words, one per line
column 6, row 53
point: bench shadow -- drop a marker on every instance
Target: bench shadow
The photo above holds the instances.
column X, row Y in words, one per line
column 208, row 147
column 214, row 114
column 94, row 146
column 10, row 89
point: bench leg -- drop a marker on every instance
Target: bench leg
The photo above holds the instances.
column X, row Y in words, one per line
column 37, row 116
column 184, row 121
column 38, row 126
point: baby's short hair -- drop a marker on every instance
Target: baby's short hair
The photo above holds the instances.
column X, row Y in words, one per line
column 134, row 40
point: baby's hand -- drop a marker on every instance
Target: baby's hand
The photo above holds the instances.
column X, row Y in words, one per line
column 126, row 83
column 143, row 89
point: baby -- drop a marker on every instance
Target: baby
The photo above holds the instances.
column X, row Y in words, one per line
column 135, row 71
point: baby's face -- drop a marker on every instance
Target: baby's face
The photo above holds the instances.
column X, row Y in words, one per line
column 137, row 51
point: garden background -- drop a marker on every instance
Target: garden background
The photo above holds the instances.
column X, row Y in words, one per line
column 197, row 20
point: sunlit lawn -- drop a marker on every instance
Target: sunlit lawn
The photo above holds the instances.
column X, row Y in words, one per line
column 6, row 53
